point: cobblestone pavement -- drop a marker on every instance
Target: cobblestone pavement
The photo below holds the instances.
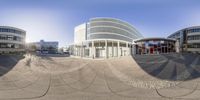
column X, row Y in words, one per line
column 155, row 77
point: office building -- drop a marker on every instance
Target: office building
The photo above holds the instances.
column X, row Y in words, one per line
column 188, row 39
column 12, row 40
column 104, row 38
column 43, row 46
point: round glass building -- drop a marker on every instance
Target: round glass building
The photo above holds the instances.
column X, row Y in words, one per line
column 188, row 39
column 12, row 39
column 104, row 38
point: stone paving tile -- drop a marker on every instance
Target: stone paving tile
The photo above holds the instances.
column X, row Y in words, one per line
column 158, row 77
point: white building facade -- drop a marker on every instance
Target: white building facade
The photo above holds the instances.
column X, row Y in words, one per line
column 12, row 39
column 104, row 38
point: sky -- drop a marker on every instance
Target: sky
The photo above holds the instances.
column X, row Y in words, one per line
column 54, row 20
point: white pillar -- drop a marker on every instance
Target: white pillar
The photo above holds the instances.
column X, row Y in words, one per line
column 118, row 49
column 106, row 48
column 76, row 51
column 81, row 49
column 133, row 51
column 73, row 51
column 93, row 50
column 127, row 49
column 112, row 50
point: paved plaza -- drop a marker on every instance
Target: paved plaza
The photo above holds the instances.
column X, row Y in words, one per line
column 141, row 77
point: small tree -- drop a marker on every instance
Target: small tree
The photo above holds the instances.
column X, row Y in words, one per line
column 33, row 47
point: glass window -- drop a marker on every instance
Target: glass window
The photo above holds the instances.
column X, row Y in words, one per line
column 10, row 30
column 195, row 37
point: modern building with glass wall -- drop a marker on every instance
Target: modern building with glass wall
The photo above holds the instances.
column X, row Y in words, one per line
column 188, row 39
column 12, row 39
column 154, row 46
column 104, row 38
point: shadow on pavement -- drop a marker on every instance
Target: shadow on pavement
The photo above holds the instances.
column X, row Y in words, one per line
column 54, row 55
column 49, row 56
column 8, row 62
column 174, row 67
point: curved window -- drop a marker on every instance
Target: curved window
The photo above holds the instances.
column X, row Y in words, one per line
column 112, row 20
column 195, row 37
column 11, row 31
column 10, row 37
column 193, row 30
column 111, row 30
column 112, row 24
column 194, row 45
column 11, row 45
column 109, row 36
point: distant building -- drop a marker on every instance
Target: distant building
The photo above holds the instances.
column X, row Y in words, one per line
column 43, row 46
column 188, row 39
column 104, row 38
column 12, row 39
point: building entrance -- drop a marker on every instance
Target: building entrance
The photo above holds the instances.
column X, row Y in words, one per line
column 155, row 46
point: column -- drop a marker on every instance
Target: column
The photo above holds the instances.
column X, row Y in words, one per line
column 133, row 49
column 73, row 52
column 112, row 50
column 93, row 50
column 76, row 51
column 81, row 49
column 167, row 47
column 118, row 49
column 106, row 48
column 127, row 49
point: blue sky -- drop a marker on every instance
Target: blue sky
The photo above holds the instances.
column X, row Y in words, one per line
column 54, row 20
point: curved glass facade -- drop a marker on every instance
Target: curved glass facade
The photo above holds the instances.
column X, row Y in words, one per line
column 194, row 37
column 109, row 28
column 109, row 36
column 110, row 20
column 193, row 30
column 105, row 38
column 11, row 31
column 189, row 39
column 195, row 45
column 12, row 39
column 112, row 30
